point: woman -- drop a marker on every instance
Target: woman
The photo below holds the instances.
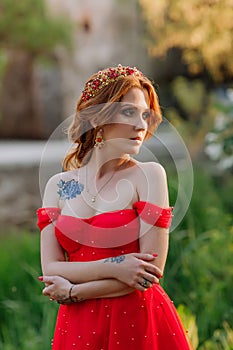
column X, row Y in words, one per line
column 104, row 225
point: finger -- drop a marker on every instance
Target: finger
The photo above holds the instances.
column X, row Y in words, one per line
column 155, row 270
column 143, row 285
column 140, row 284
column 151, row 278
column 146, row 283
column 47, row 279
column 140, row 287
column 64, row 302
column 158, row 273
column 48, row 291
column 144, row 256
column 45, row 292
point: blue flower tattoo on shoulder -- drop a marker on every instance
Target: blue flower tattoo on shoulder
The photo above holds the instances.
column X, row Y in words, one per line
column 69, row 189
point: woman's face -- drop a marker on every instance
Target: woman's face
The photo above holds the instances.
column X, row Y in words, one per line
column 130, row 125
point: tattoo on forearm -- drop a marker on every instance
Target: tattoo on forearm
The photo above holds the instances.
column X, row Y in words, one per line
column 115, row 259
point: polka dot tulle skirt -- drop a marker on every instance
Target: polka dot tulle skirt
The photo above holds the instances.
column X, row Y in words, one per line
column 138, row 321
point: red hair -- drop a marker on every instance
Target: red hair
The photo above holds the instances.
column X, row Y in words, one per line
column 100, row 109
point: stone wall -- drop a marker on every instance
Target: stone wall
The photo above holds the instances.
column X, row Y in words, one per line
column 25, row 167
column 19, row 197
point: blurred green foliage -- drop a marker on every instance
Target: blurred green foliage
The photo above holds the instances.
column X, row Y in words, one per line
column 189, row 320
column 28, row 32
column 199, row 267
column 219, row 139
column 201, row 29
column 27, row 318
column 3, row 63
column 192, row 113
column 27, row 25
column 222, row 339
column 204, row 119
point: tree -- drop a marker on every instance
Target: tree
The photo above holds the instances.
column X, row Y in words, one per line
column 26, row 32
column 202, row 29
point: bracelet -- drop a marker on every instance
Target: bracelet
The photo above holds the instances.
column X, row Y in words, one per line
column 75, row 299
column 70, row 291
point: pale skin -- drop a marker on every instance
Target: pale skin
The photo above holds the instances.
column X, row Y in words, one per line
column 141, row 181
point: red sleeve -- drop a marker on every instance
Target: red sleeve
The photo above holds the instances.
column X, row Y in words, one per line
column 46, row 216
column 154, row 215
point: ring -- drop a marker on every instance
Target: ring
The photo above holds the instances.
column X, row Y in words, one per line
column 145, row 283
column 61, row 297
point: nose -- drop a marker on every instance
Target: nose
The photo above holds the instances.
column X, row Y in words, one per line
column 140, row 122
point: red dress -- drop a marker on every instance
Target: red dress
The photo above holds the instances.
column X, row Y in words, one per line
column 137, row 321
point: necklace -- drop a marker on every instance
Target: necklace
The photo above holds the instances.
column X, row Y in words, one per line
column 94, row 196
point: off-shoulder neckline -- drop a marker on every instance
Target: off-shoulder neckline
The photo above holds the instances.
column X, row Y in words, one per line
column 98, row 215
column 107, row 212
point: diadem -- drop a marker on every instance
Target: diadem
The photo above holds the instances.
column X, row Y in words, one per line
column 105, row 77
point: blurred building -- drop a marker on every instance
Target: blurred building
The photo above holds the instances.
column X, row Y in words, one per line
column 107, row 32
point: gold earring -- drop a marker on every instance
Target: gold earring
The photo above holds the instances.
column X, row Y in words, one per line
column 99, row 141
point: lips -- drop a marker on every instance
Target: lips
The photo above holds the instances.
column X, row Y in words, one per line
column 138, row 138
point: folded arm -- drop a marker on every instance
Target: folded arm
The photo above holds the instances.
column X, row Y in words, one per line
column 58, row 288
column 129, row 269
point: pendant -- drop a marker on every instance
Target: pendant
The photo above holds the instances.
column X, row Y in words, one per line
column 93, row 199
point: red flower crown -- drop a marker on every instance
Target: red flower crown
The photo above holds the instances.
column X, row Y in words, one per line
column 105, row 77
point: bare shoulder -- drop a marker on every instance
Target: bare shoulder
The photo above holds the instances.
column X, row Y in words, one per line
column 151, row 182
column 51, row 194
column 65, row 176
column 150, row 170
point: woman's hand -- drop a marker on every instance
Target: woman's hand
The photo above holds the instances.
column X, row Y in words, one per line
column 136, row 270
column 57, row 288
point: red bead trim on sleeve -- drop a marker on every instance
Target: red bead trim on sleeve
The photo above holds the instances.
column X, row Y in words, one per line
column 153, row 214
column 46, row 216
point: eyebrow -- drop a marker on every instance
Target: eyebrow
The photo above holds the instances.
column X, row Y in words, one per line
column 132, row 105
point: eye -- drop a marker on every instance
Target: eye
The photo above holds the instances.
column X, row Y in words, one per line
column 146, row 115
column 128, row 112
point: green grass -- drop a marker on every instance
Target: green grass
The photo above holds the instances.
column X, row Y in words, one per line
column 199, row 268
column 27, row 318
